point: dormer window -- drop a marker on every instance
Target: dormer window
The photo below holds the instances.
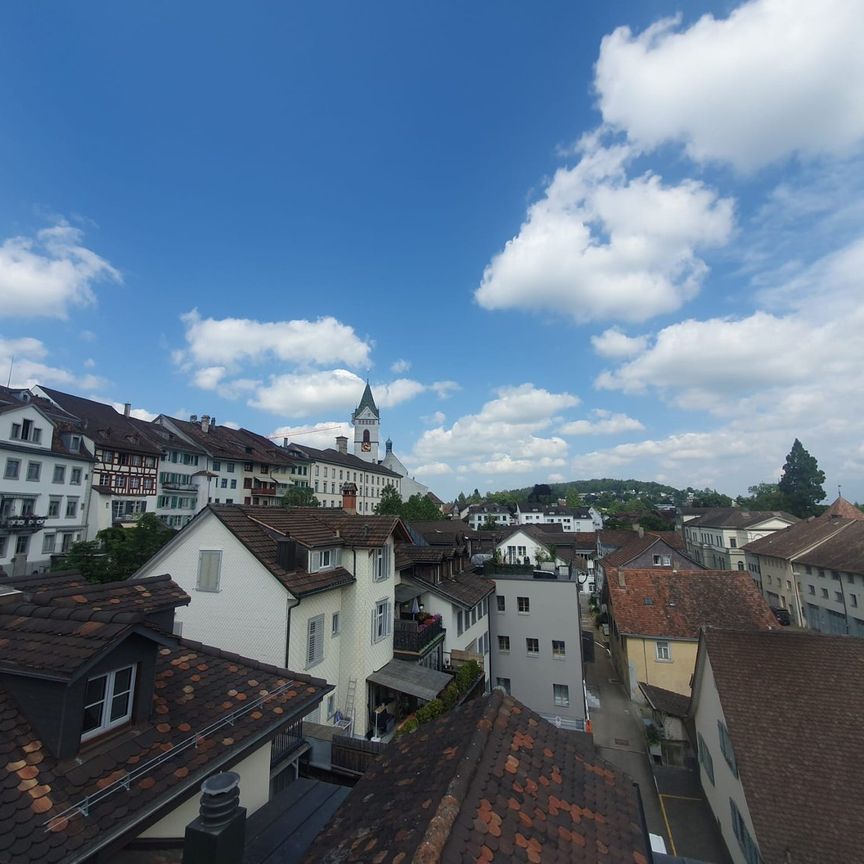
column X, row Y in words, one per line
column 108, row 701
column 323, row 559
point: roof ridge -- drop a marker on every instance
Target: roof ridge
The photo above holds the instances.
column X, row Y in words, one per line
column 441, row 823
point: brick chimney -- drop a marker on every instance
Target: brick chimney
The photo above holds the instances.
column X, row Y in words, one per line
column 349, row 498
column 622, row 582
column 205, row 422
column 341, row 443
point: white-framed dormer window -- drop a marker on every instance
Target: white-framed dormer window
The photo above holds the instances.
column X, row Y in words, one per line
column 209, row 570
column 323, row 559
column 381, row 620
column 108, row 701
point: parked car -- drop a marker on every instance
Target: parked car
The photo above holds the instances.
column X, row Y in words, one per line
column 782, row 616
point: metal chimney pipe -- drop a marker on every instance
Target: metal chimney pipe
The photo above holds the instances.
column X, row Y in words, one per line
column 218, row 834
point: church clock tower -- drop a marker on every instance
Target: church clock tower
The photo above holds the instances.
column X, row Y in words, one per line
column 366, row 421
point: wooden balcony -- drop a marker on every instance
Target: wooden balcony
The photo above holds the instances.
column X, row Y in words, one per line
column 412, row 637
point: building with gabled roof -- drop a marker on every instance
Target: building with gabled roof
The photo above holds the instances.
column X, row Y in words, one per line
column 310, row 588
column 110, row 723
column 777, row 723
column 656, row 615
column 488, row 781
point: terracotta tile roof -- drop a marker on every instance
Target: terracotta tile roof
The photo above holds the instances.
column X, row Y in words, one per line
column 196, row 686
column 735, row 517
column 683, row 601
column 843, row 508
column 467, row 589
column 260, row 540
column 666, row 701
column 147, row 595
column 797, row 538
column 490, row 781
column 802, row 689
column 843, row 552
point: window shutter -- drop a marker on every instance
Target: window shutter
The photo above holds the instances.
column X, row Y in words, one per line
column 388, row 618
column 315, row 640
column 374, row 640
column 209, row 566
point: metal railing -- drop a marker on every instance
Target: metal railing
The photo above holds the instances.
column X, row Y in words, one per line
column 413, row 637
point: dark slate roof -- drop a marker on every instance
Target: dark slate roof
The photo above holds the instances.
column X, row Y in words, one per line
column 366, row 401
column 70, row 589
column 467, row 588
column 489, row 781
column 164, row 437
column 735, row 517
column 682, row 601
column 196, row 686
column 809, row 686
column 349, row 460
column 443, row 531
column 617, row 537
column 843, row 551
column 407, row 555
column 797, row 538
column 665, row 701
column 105, row 426
column 544, row 534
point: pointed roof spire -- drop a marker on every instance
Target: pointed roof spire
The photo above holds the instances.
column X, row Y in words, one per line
column 845, row 509
column 366, row 401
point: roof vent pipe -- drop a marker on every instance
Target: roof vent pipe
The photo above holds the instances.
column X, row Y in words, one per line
column 127, row 409
column 218, row 835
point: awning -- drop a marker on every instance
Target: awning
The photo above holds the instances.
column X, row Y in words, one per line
column 262, row 479
column 411, row 678
column 405, row 592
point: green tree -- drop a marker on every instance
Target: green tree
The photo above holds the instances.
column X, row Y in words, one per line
column 117, row 552
column 801, row 482
column 710, row 498
column 763, row 496
column 300, row 496
column 418, row 508
column 574, row 499
column 390, row 503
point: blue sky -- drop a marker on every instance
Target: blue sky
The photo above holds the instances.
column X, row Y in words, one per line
column 561, row 241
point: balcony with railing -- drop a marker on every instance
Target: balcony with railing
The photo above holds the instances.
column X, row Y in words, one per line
column 417, row 637
column 22, row 524
column 287, row 743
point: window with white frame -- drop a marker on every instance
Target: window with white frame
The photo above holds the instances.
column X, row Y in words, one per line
column 523, row 604
column 48, row 543
column 13, row 468
column 71, row 508
column 381, row 620
column 59, row 474
column 504, row 644
column 559, row 649
column 209, row 570
column 532, row 646
column 108, row 701
column 381, row 564
column 662, row 649
column 561, row 695
column 335, row 625
column 314, row 640
column 34, row 470
column 54, row 507
column 323, row 559
column 502, row 603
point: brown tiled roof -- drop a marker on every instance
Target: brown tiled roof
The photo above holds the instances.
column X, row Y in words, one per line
column 735, row 517
column 843, row 508
column 616, row 536
column 843, row 551
column 490, row 781
column 536, row 532
column 682, row 601
column 104, row 425
column 666, row 701
column 196, row 686
column 809, row 686
column 408, row 554
column 347, row 459
column 797, row 538
column 467, row 589
column 673, row 538
column 260, row 540
column 639, row 545
column 147, row 595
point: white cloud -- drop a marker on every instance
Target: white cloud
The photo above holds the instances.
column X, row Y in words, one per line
column 604, row 423
column 320, row 435
column 614, row 343
column 444, row 389
column 309, row 393
column 46, row 275
column 400, row 390
column 773, row 79
column 226, row 341
column 137, row 413
column 601, row 245
column 89, row 363
column 25, row 357
column 209, row 377
column 399, row 366
column 436, row 419
column 432, row 469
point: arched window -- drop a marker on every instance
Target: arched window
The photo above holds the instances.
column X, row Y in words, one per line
column 365, row 436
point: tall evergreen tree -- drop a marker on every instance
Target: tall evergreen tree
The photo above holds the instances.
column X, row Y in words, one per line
column 801, row 483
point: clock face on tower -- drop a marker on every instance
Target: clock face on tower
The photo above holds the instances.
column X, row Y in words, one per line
column 365, row 446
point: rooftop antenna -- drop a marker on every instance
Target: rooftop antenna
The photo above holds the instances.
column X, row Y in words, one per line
column 11, row 364
column 839, row 487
